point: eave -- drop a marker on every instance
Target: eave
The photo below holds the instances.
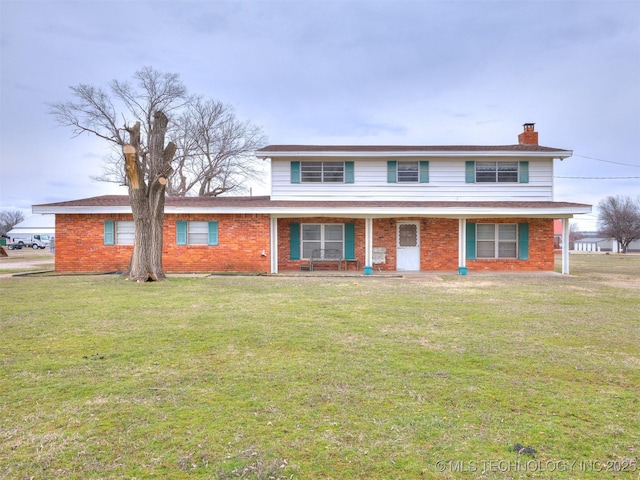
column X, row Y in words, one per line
column 351, row 209
column 304, row 151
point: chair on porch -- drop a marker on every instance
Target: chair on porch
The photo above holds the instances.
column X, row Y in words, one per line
column 379, row 257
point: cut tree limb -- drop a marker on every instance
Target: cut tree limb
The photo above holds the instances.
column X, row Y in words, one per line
column 131, row 166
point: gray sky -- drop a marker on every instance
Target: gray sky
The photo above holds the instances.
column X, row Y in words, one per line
column 340, row 72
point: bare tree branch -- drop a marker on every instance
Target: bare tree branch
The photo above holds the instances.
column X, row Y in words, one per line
column 9, row 219
column 215, row 150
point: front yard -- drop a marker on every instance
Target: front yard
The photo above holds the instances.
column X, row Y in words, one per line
column 433, row 376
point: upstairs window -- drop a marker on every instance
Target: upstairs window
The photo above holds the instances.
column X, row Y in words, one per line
column 407, row 172
column 496, row 172
column 322, row 172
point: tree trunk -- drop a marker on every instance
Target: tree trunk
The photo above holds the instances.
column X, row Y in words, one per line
column 147, row 198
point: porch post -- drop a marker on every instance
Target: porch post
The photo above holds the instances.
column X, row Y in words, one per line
column 462, row 246
column 565, row 246
column 273, row 238
column 368, row 246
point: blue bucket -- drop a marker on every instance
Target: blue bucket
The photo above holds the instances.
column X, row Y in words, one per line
column 463, row 270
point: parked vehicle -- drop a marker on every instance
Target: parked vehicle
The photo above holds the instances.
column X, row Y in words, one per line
column 28, row 241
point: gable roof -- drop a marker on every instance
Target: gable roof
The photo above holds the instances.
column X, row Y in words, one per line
column 411, row 150
column 287, row 208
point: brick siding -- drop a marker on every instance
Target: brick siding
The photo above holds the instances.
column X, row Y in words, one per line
column 243, row 245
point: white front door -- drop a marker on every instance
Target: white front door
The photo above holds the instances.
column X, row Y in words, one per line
column 408, row 250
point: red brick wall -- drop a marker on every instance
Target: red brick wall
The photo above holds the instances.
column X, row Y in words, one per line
column 438, row 244
column 80, row 245
column 541, row 256
column 284, row 238
column 244, row 245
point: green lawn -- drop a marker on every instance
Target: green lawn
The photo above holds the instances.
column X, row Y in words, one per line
column 318, row 377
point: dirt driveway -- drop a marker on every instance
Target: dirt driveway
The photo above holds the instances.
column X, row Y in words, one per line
column 25, row 260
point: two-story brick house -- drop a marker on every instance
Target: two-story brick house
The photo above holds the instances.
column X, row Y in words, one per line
column 383, row 208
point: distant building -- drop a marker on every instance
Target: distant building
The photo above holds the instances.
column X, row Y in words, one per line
column 603, row 244
column 43, row 226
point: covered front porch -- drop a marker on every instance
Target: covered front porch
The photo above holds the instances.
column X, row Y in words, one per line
column 401, row 244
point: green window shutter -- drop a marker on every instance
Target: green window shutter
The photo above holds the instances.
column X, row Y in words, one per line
column 424, row 172
column 470, row 172
column 392, row 168
column 109, row 232
column 471, row 241
column 181, row 233
column 523, row 241
column 350, row 241
column 295, row 172
column 348, row 172
column 523, row 172
column 294, row 241
column 213, row 233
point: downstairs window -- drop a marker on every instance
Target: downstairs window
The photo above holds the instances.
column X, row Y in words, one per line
column 119, row 232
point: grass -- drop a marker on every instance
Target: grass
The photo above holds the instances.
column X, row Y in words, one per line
column 312, row 377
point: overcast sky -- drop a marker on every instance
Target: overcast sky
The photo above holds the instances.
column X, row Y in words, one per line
column 340, row 72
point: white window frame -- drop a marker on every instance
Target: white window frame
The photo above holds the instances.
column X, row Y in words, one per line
column 322, row 172
column 305, row 253
column 404, row 174
column 197, row 232
column 495, row 171
column 499, row 230
column 124, row 232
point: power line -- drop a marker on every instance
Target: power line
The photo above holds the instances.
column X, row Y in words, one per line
column 596, row 178
column 607, row 161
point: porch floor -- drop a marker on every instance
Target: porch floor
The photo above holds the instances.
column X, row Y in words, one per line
column 409, row 274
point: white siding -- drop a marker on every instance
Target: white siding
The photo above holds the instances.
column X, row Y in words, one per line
column 446, row 183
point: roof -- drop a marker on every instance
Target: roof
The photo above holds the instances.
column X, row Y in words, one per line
column 35, row 224
column 37, row 221
column 283, row 208
column 410, row 150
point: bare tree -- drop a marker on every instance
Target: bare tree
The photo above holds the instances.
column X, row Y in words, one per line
column 619, row 218
column 169, row 143
column 215, row 150
column 9, row 219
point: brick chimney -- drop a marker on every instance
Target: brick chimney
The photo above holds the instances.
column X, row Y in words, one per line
column 529, row 136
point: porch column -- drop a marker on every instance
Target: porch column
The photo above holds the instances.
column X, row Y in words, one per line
column 462, row 246
column 273, row 238
column 368, row 246
column 565, row 246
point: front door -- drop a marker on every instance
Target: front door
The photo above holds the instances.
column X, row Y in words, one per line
column 408, row 256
